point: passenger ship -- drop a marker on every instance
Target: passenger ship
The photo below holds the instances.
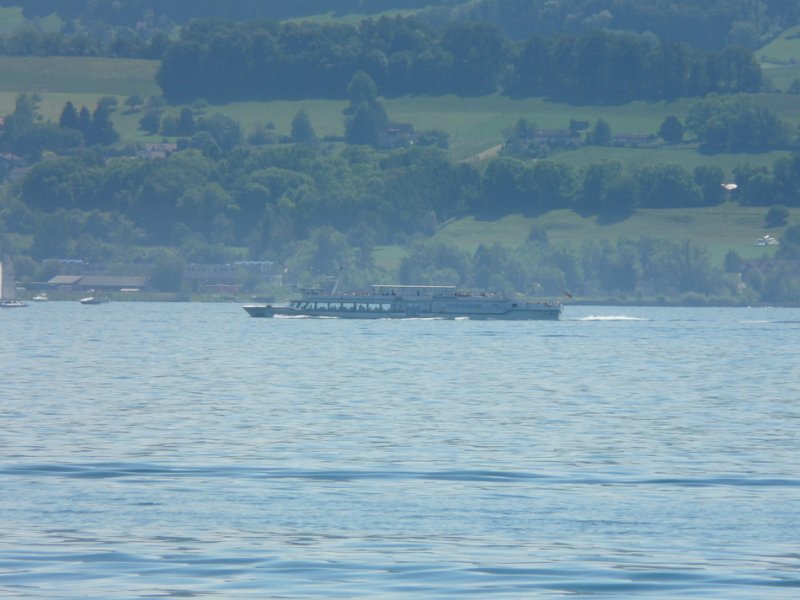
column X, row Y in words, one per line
column 409, row 301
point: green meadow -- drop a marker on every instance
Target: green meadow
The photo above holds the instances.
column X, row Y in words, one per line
column 784, row 48
column 781, row 75
column 719, row 229
column 79, row 75
column 780, row 59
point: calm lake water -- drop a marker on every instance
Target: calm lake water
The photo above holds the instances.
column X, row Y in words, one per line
column 187, row 450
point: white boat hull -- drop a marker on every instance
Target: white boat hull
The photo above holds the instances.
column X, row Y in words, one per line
column 370, row 307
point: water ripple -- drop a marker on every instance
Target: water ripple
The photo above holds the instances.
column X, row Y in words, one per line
column 185, row 450
column 123, row 470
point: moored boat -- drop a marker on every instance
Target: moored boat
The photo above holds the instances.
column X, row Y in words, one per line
column 409, row 301
column 94, row 300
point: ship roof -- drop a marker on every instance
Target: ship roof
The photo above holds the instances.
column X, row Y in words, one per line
column 414, row 287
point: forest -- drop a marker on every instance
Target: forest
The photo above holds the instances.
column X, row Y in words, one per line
column 219, row 60
column 712, row 24
column 317, row 206
column 222, row 60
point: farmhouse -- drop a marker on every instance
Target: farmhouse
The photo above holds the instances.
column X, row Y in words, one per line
column 106, row 283
column 398, row 135
column 161, row 150
column 557, row 137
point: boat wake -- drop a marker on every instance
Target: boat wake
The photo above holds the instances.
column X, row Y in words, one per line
column 757, row 322
column 610, row 318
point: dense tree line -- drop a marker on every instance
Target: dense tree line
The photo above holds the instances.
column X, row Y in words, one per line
column 219, row 60
column 768, row 186
column 313, row 207
column 620, row 67
column 121, row 42
column 709, row 24
column 418, row 187
column 125, row 12
column 141, row 28
column 735, row 124
column 646, row 267
column 96, row 128
column 642, row 269
column 315, row 211
column 223, row 59
column 275, row 195
column 26, row 134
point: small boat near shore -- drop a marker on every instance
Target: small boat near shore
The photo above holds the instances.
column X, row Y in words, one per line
column 94, row 300
column 409, row 301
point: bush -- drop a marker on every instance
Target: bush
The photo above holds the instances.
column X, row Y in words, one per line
column 777, row 216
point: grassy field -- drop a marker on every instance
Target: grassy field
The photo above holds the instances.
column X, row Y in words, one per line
column 719, row 229
column 784, row 48
column 475, row 124
column 780, row 59
column 10, row 18
column 78, row 75
column 686, row 156
column 781, row 76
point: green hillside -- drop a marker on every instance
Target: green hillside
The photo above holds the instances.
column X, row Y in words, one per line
column 784, row 48
column 475, row 124
column 780, row 59
column 719, row 229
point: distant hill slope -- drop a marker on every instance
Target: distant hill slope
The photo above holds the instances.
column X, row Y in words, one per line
column 720, row 229
column 710, row 24
column 127, row 12
column 707, row 24
column 475, row 124
column 780, row 59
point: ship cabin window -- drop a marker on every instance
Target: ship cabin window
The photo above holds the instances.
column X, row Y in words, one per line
column 345, row 306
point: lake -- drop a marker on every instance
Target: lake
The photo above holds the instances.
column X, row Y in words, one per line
column 187, row 450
